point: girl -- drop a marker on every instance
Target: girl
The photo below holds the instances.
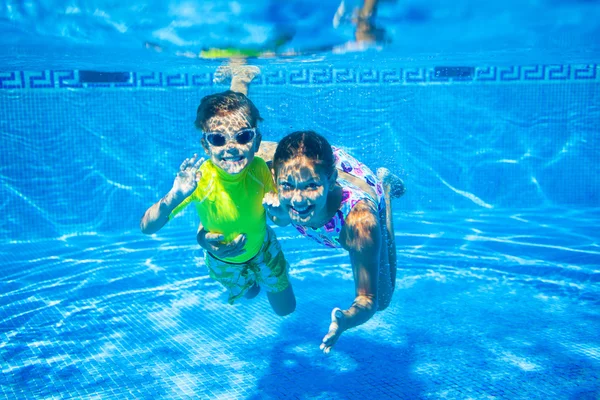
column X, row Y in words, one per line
column 334, row 199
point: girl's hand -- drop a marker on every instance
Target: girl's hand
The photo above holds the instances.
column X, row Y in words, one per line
column 271, row 200
column 272, row 205
column 336, row 328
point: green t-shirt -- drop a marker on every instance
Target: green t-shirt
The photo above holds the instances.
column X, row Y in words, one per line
column 232, row 204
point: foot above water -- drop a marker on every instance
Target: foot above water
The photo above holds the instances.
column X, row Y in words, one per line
column 242, row 72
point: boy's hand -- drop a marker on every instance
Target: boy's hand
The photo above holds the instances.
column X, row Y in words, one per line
column 213, row 243
column 187, row 178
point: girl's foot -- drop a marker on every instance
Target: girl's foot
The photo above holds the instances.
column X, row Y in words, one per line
column 392, row 184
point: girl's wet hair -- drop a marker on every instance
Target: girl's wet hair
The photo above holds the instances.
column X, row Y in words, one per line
column 308, row 144
column 225, row 103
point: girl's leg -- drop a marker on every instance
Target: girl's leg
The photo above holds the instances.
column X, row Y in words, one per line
column 387, row 273
column 389, row 181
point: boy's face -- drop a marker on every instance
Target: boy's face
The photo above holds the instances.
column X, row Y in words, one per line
column 231, row 142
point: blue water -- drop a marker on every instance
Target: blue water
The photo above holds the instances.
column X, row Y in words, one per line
column 498, row 286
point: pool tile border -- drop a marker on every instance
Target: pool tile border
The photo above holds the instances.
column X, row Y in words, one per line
column 308, row 76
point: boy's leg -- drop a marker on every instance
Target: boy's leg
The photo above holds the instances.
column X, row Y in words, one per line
column 368, row 10
column 252, row 292
column 284, row 302
column 273, row 276
column 230, row 276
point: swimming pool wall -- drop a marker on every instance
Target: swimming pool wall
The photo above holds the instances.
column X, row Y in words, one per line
column 89, row 150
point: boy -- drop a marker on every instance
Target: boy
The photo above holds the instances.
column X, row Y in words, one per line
column 242, row 251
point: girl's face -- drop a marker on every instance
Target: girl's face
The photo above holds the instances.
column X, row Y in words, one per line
column 303, row 190
column 230, row 142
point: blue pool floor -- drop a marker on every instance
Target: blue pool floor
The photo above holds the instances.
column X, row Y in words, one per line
column 492, row 305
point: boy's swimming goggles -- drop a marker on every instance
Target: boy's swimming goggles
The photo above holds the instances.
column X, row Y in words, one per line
column 244, row 136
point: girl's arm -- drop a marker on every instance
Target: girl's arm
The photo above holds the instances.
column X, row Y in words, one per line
column 361, row 236
column 274, row 211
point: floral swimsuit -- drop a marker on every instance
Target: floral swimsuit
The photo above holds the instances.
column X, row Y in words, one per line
column 329, row 234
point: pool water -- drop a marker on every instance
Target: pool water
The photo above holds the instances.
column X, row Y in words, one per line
column 498, row 286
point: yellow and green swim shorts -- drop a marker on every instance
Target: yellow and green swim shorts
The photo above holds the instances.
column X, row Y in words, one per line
column 268, row 269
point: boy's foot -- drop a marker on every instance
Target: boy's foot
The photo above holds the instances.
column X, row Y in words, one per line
column 393, row 185
column 252, row 292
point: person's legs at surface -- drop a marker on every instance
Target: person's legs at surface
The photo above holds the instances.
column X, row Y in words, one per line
column 346, row 12
column 239, row 73
column 366, row 29
column 368, row 10
column 362, row 16
column 241, row 76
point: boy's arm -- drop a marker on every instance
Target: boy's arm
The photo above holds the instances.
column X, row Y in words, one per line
column 180, row 194
column 157, row 215
column 215, row 245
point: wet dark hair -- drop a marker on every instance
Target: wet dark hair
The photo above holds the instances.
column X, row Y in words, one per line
column 305, row 143
column 223, row 104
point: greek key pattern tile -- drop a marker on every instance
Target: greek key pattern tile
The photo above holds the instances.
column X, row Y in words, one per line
column 309, row 76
